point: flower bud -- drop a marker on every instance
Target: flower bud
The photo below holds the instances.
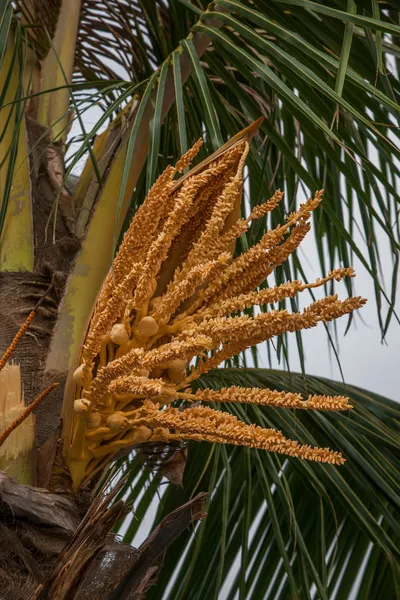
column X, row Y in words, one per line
column 143, row 372
column 105, row 338
column 116, row 421
column 93, row 420
column 79, row 375
column 157, row 372
column 141, row 434
column 133, row 344
column 119, row 334
column 179, row 364
column 176, row 376
column 81, row 405
column 147, row 326
column 161, row 434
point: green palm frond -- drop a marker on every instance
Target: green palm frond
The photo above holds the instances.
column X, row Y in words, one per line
column 322, row 75
column 280, row 528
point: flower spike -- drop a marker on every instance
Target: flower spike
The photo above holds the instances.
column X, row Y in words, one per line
column 172, row 308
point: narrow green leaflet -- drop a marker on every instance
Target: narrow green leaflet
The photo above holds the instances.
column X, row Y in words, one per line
column 180, row 108
column 346, row 48
column 317, row 7
column 270, row 77
column 202, row 87
column 5, row 22
column 300, row 69
column 155, row 127
column 378, row 36
column 300, row 43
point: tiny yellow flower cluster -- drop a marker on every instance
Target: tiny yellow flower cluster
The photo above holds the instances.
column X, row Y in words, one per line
column 166, row 315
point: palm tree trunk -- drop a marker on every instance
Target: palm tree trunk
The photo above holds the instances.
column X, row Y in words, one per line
column 31, row 537
column 21, row 290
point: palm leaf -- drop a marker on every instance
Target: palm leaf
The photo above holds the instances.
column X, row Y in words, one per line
column 15, row 202
column 289, row 61
column 298, row 525
column 305, row 66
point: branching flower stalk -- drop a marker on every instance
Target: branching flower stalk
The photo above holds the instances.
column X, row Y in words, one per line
column 172, row 308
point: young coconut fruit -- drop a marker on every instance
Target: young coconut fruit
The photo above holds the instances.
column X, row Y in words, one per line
column 147, row 326
column 117, row 421
column 119, row 334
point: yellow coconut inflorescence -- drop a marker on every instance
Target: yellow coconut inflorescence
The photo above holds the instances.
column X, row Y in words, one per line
column 172, row 308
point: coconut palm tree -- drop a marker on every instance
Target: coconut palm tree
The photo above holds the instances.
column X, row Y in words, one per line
column 158, row 76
